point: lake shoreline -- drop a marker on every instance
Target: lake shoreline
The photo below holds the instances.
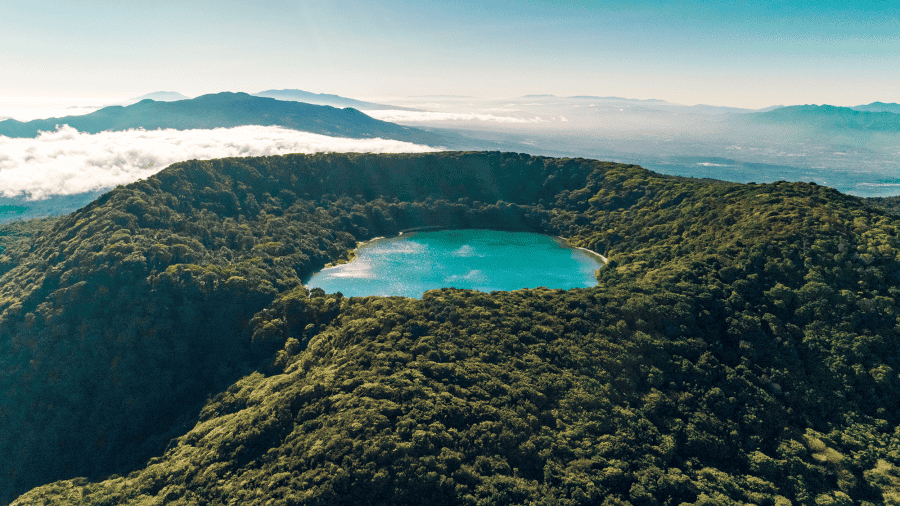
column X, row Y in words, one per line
column 351, row 254
column 563, row 241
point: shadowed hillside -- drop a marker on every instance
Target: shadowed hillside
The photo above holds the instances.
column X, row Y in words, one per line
column 741, row 346
column 890, row 205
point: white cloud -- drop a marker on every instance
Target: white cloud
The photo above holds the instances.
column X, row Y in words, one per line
column 426, row 116
column 465, row 251
column 473, row 275
column 66, row 161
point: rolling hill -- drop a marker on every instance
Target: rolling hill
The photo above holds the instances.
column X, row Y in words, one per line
column 158, row 346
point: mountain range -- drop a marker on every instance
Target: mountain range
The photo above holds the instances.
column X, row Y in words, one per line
column 226, row 110
column 874, row 117
column 327, row 99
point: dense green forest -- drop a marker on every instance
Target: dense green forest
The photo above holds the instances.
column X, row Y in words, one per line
column 891, row 205
column 742, row 345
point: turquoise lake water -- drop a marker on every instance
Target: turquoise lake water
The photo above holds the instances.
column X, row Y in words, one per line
column 485, row 260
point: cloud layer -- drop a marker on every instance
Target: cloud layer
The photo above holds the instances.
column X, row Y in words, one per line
column 66, row 161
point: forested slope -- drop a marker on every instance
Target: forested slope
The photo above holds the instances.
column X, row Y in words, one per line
column 890, row 205
column 741, row 347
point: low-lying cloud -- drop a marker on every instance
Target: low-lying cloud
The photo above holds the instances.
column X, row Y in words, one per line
column 395, row 116
column 66, row 161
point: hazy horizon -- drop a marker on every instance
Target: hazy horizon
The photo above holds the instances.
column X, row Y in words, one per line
column 27, row 108
column 750, row 54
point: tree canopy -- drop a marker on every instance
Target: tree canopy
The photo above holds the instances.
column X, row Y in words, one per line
column 741, row 347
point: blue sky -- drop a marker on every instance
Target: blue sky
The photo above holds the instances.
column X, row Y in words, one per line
column 746, row 54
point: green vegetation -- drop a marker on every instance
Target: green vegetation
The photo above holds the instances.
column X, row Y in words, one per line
column 15, row 239
column 741, row 348
column 890, row 205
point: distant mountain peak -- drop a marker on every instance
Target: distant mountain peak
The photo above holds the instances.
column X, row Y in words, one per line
column 226, row 110
column 293, row 95
column 162, row 96
column 226, row 96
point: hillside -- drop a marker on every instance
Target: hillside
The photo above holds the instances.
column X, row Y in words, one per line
column 157, row 345
column 226, row 110
column 829, row 117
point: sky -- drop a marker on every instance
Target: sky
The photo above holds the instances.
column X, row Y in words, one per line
column 744, row 54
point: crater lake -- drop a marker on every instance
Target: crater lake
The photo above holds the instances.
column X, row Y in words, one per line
column 486, row 260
